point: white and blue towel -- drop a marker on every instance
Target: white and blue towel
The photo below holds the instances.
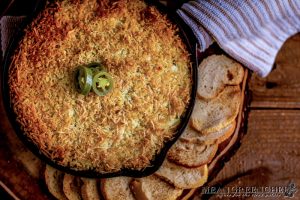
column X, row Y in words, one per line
column 251, row 31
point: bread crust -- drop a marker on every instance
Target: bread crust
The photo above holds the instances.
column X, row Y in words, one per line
column 183, row 177
column 215, row 114
column 116, row 188
column 192, row 135
column 192, row 153
column 54, row 182
column 90, row 190
column 154, row 188
column 72, row 187
column 215, row 73
column 124, row 129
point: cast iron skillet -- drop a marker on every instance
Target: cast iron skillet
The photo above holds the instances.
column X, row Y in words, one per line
column 187, row 37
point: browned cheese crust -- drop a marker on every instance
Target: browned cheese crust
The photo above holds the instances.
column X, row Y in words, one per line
column 150, row 66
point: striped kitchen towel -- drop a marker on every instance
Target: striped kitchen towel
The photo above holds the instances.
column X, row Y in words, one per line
column 251, row 31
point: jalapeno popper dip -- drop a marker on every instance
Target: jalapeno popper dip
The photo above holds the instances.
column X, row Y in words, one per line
column 123, row 129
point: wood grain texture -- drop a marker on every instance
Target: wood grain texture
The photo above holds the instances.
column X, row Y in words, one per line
column 21, row 179
column 280, row 89
column 269, row 154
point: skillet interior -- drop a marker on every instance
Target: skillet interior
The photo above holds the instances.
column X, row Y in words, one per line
column 187, row 37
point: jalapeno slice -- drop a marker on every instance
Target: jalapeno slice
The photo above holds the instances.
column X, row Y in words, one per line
column 102, row 83
column 85, row 80
column 96, row 67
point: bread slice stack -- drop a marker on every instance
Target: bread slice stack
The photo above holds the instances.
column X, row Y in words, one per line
column 54, row 182
column 188, row 162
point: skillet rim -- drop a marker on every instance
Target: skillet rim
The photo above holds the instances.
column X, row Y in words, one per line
column 188, row 38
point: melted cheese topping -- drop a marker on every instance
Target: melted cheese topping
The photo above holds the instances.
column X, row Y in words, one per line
column 124, row 129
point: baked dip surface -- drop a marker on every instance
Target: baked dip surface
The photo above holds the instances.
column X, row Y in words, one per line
column 124, row 129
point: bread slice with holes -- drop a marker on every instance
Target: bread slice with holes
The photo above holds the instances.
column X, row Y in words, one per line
column 192, row 153
column 215, row 114
column 89, row 189
column 215, row 72
column 191, row 135
column 72, row 187
column 154, row 188
column 183, row 177
column 116, row 188
column 54, row 182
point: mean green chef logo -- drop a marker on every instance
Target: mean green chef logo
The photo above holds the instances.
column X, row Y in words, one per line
column 291, row 189
column 275, row 192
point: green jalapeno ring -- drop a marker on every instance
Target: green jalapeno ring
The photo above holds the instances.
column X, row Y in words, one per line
column 102, row 83
column 96, row 67
column 85, row 80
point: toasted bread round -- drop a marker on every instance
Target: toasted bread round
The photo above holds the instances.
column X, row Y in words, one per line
column 227, row 134
column 153, row 188
column 228, row 148
column 116, row 188
column 191, row 135
column 215, row 114
column 183, row 177
column 215, row 72
column 89, row 189
column 192, row 153
column 71, row 187
column 54, row 182
column 188, row 194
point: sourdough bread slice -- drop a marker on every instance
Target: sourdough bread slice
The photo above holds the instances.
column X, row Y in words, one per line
column 215, row 114
column 153, row 188
column 226, row 150
column 54, row 182
column 183, row 177
column 116, row 188
column 89, row 189
column 215, row 72
column 71, row 187
column 192, row 153
column 191, row 135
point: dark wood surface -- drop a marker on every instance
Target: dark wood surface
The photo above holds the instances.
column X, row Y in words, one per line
column 281, row 89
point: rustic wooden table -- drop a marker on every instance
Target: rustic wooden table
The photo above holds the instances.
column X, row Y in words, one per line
column 270, row 152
